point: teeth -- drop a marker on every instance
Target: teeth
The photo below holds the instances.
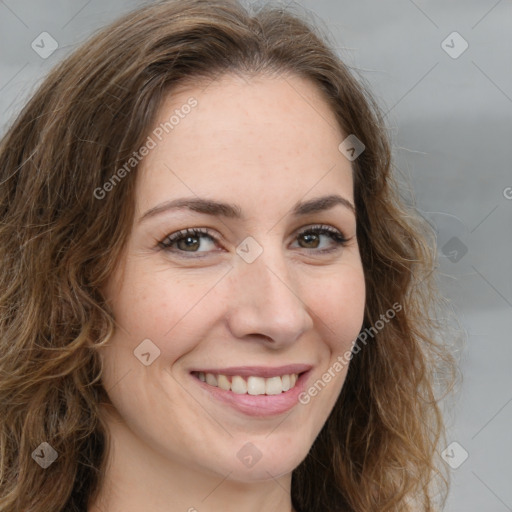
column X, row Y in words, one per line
column 239, row 386
column 273, row 386
column 256, row 386
column 286, row 382
column 211, row 379
column 253, row 385
column 223, row 382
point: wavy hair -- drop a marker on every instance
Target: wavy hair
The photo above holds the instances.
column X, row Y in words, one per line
column 59, row 244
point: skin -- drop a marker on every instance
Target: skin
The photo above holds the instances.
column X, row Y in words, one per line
column 264, row 143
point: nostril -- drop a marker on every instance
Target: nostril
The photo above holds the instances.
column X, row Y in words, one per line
column 265, row 338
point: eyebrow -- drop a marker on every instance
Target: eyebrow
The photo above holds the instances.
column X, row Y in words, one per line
column 217, row 208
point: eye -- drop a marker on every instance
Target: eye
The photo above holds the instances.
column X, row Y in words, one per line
column 187, row 240
column 190, row 240
column 313, row 235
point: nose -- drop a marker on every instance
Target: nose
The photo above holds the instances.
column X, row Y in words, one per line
column 266, row 303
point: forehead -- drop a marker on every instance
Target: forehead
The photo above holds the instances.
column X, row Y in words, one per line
column 258, row 136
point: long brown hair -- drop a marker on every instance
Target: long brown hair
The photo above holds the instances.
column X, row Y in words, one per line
column 59, row 243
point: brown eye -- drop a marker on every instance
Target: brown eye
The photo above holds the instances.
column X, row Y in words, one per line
column 187, row 240
column 190, row 240
column 312, row 237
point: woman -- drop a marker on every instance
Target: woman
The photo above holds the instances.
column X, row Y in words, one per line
column 213, row 296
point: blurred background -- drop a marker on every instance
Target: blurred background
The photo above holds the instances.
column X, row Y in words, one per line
column 442, row 73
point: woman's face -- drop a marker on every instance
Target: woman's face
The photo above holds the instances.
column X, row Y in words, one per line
column 264, row 302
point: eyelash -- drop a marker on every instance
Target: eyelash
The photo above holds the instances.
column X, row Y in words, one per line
column 319, row 229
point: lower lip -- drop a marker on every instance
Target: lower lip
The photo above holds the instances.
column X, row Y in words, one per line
column 258, row 405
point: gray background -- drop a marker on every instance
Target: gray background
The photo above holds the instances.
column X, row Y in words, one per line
column 451, row 126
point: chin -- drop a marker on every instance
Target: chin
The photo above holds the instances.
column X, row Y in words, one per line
column 260, row 460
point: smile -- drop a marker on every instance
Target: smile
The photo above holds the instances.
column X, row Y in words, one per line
column 252, row 385
column 254, row 390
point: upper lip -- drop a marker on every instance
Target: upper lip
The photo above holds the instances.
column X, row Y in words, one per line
column 259, row 371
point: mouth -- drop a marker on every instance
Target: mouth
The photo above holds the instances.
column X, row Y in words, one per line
column 255, row 391
column 252, row 385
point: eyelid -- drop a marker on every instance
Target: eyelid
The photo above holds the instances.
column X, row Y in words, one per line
column 336, row 235
column 181, row 233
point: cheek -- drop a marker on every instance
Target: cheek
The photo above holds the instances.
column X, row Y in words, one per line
column 163, row 306
column 339, row 306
